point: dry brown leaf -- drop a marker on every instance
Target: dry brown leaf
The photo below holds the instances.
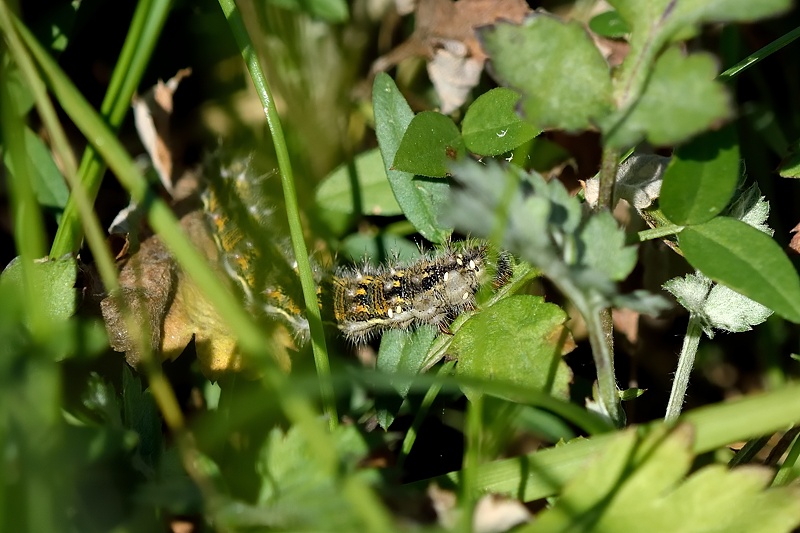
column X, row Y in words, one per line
column 495, row 513
column 794, row 244
column 445, row 36
column 626, row 321
column 172, row 310
column 151, row 113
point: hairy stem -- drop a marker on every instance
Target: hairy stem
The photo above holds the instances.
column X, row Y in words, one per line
column 684, row 370
column 601, row 340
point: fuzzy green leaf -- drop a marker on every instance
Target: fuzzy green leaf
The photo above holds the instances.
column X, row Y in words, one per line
column 373, row 194
column 492, row 126
column 430, row 144
column 659, row 116
column 518, row 340
column 701, row 179
column 295, row 493
column 420, row 199
column 603, row 246
column 563, row 78
column 746, row 260
column 717, row 307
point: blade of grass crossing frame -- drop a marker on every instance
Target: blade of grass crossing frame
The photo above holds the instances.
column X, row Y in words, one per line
column 318, row 344
column 146, row 26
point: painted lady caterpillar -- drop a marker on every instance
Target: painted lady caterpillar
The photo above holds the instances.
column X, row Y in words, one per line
column 432, row 290
column 361, row 301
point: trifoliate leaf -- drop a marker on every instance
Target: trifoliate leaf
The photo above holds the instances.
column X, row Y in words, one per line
column 430, row 143
column 746, row 260
column 491, row 125
column 421, row 200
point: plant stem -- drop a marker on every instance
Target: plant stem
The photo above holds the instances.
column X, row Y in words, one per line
column 601, row 341
column 658, row 233
column 608, row 178
column 313, row 315
column 684, row 370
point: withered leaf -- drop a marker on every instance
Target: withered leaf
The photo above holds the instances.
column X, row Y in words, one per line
column 445, row 36
column 170, row 309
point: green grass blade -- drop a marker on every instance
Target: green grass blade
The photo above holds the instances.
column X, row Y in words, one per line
column 760, row 54
column 148, row 21
column 318, row 344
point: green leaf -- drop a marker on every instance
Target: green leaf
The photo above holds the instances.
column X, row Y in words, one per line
column 519, row 340
column 790, row 166
column 563, row 78
column 55, row 284
column 492, row 126
column 295, row 493
column 402, row 353
column 631, row 394
column 420, row 200
column 701, row 178
column 661, row 20
column 140, row 414
column 48, row 183
column 372, row 195
column 746, row 260
column 639, row 480
column 378, row 249
column 609, row 24
column 430, row 144
column 603, row 247
column 663, row 118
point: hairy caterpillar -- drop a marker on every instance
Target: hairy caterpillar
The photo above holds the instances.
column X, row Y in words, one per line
column 432, row 290
column 361, row 301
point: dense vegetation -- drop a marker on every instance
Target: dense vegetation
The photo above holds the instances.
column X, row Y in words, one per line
column 484, row 268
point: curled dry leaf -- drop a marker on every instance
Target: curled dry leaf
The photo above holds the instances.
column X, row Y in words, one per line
column 445, row 36
column 169, row 310
column 151, row 113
